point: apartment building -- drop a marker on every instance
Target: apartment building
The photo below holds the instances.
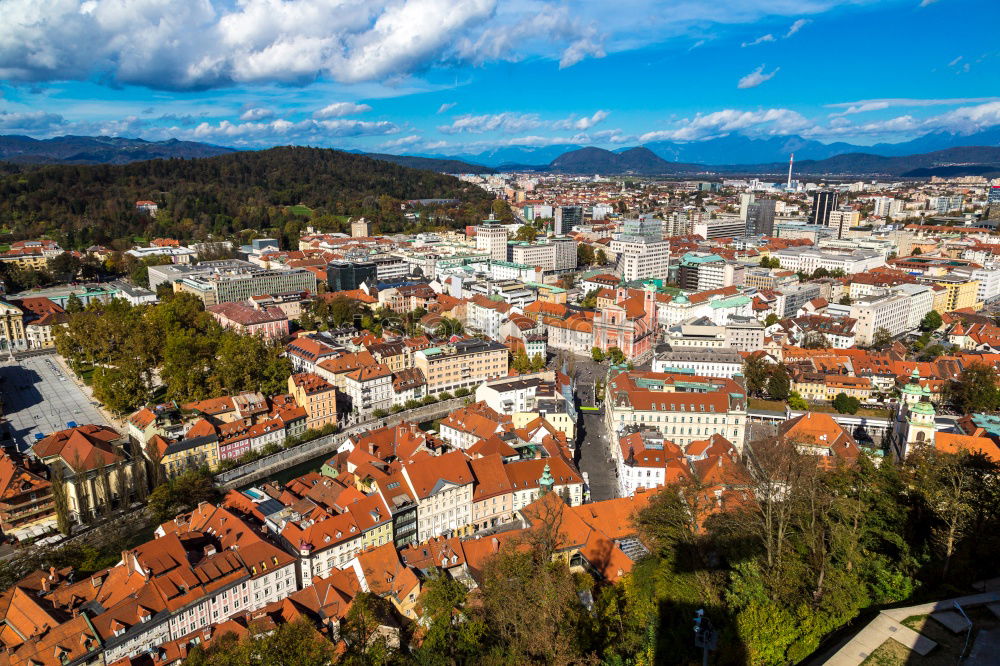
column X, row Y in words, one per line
column 684, row 408
column 442, row 486
column 462, row 364
column 646, row 459
column 370, row 388
column 317, row 396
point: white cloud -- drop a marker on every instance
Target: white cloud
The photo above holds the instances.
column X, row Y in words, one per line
column 446, row 107
column 199, row 44
column 341, row 109
column 756, row 77
column 795, row 27
column 925, row 3
column 401, row 142
column 865, row 105
column 766, row 122
column 281, row 130
column 507, row 121
column 257, row 113
column 582, row 124
column 861, row 108
column 29, row 120
column 760, row 40
column 955, row 61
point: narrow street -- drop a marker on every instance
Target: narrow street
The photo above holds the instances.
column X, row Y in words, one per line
column 592, row 457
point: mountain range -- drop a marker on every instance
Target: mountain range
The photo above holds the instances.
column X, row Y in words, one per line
column 737, row 149
column 916, row 158
column 99, row 149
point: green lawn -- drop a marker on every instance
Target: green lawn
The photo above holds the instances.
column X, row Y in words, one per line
column 299, row 209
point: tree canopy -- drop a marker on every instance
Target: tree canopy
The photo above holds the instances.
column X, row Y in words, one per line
column 242, row 192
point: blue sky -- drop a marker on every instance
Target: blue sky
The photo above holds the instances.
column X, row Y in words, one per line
column 463, row 76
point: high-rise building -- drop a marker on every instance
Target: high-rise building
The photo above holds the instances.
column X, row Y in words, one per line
column 566, row 217
column 492, row 238
column 760, row 218
column 824, row 202
column 745, row 201
column 993, row 195
column 645, row 225
column 887, row 207
column 641, row 258
column 842, row 220
column 347, row 275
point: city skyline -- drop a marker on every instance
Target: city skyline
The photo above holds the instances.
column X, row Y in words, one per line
column 423, row 76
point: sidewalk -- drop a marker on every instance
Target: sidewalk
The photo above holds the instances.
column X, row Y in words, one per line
column 888, row 625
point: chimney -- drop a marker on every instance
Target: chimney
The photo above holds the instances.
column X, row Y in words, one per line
column 496, row 544
column 52, row 573
column 45, row 584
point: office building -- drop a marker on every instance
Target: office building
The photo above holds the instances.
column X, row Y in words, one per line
column 705, row 362
column 228, row 281
column 808, row 259
column 824, row 203
column 646, row 226
column 745, row 201
column 346, row 275
column 722, row 226
column 842, row 220
column 492, row 238
column 702, row 272
column 760, row 218
column 641, row 258
column 567, row 217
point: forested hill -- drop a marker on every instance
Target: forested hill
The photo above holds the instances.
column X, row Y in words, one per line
column 82, row 205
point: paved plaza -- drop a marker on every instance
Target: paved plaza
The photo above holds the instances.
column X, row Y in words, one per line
column 39, row 397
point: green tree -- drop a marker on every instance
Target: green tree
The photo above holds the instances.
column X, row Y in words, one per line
column 73, row 304
column 521, row 363
column 60, row 500
column 616, row 356
column 846, row 404
column 756, row 371
column 526, row 233
column 455, row 633
column 537, row 363
column 797, row 402
column 585, row 255
column 771, row 319
column 601, row 257
column 596, row 354
column 975, row 391
column 845, row 300
column 931, row 322
column 778, row 383
column 882, row 338
column 181, row 494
